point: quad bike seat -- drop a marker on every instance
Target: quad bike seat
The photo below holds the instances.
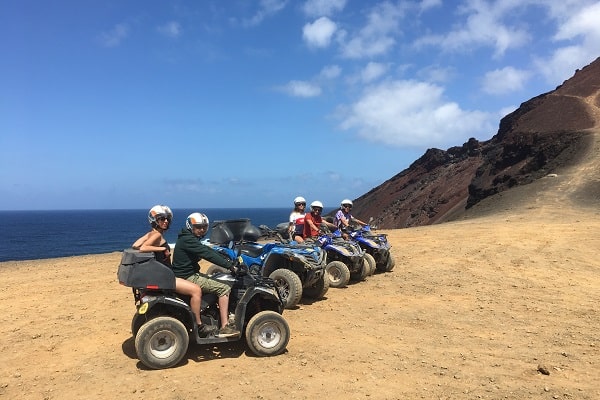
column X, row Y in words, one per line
column 141, row 270
column 237, row 230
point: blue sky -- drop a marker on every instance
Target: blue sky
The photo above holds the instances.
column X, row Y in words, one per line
column 127, row 104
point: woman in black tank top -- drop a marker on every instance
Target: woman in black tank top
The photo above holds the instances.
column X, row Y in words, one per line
column 160, row 219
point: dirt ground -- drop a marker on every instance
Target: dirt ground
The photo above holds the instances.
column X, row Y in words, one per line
column 502, row 305
column 474, row 309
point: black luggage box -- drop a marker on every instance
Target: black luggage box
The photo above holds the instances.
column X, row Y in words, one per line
column 141, row 270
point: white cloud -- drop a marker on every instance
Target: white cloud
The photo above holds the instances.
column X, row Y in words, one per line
column 301, row 89
column 330, row 72
column 410, row 113
column 373, row 71
column 505, row 80
column 377, row 36
column 562, row 64
column 585, row 23
column 311, row 88
column 582, row 25
column 482, row 26
column 114, row 37
column 320, row 8
column 266, row 9
column 428, row 4
column 319, row 33
column 171, row 29
column 436, row 74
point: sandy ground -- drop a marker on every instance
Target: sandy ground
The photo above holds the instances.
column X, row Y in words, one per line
column 473, row 310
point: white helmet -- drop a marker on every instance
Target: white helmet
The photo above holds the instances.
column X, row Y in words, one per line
column 346, row 201
column 196, row 219
column 299, row 199
column 159, row 211
column 316, row 203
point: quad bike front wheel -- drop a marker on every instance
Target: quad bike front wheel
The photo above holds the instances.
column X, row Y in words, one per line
column 391, row 263
column 267, row 334
column 372, row 264
column 318, row 289
column 362, row 274
column 288, row 285
column 386, row 265
column 161, row 342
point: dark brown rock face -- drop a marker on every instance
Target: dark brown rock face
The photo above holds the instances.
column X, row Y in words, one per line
column 545, row 134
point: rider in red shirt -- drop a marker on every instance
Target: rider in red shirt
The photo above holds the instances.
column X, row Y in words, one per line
column 313, row 220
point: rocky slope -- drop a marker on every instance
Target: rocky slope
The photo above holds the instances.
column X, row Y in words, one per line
column 544, row 136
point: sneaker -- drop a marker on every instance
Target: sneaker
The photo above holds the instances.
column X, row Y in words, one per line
column 227, row 331
column 205, row 330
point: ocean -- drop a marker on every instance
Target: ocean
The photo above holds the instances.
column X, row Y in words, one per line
column 31, row 235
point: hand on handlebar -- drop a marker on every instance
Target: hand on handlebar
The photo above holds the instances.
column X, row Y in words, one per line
column 238, row 265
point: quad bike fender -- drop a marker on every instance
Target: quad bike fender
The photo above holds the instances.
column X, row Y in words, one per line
column 156, row 306
column 368, row 242
column 339, row 249
column 257, row 299
column 297, row 263
column 313, row 276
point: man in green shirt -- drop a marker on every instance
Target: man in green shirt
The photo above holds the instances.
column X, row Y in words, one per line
column 188, row 252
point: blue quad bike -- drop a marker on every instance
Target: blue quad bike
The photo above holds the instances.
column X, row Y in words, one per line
column 376, row 245
column 296, row 270
column 164, row 324
column 346, row 260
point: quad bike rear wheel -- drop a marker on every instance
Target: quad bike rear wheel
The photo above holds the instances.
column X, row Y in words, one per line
column 161, row 342
column 136, row 323
column 267, row 334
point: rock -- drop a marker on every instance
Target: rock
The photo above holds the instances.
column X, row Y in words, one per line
column 541, row 368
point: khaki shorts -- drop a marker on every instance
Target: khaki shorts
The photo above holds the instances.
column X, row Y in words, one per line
column 209, row 285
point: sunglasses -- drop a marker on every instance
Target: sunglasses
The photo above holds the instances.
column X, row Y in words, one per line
column 319, row 209
column 347, row 205
column 301, row 204
column 161, row 219
column 203, row 226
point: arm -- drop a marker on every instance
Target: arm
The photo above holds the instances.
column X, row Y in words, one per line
column 291, row 224
column 353, row 218
column 329, row 224
column 309, row 225
column 203, row 252
column 136, row 245
column 339, row 216
column 149, row 242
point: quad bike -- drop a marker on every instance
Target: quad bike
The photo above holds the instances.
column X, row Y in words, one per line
column 375, row 244
column 297, row 270
column 164, row 323
column 345, row 259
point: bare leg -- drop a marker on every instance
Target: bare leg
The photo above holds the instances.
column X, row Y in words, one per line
column 194, row 291
column 223, row 309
